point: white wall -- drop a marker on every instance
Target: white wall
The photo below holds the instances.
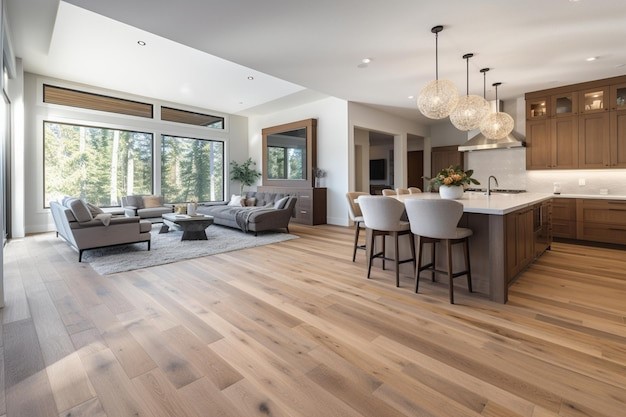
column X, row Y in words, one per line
column 332, row 146
column 36, row 217
column 362, row 158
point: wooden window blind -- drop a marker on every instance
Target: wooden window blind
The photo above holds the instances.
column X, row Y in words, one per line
column 81, row 99
column 191, row 118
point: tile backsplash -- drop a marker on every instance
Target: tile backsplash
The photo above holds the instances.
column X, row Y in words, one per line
column 509, row 167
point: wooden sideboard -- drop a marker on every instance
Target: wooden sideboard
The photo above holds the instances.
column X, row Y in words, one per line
column 311, row 205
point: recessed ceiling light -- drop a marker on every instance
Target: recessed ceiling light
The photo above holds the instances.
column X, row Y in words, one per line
column 366, row 60
column 591, row 58
column 141, row 43
column 411, row 97
column 250, row 77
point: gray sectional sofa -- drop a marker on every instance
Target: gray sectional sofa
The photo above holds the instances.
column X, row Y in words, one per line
column 265, row 211
column 83, row 227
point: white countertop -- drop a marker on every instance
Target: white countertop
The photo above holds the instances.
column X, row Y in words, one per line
column 592, row 196
column 498, row 204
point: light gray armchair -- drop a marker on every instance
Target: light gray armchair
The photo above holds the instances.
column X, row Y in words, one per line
column 147, row 207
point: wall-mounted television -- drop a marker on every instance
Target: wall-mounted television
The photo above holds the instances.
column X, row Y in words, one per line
column 377, row 169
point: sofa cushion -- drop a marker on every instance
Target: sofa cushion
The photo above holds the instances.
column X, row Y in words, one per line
column 152, row 201
column 135, row 201
column 80, row 210
column 144, row 226
column 280, row 204
column 236, row 200
column 94, row 210
column 146, row 213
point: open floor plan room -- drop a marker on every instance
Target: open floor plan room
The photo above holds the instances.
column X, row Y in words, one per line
column 295, row 329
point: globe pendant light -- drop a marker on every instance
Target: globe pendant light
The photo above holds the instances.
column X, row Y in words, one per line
column 471, row 109
column 439, row 97
column 496, row 125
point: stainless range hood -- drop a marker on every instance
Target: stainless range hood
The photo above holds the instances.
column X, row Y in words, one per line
column 480, row 142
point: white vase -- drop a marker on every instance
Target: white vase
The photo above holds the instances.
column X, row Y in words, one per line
column 451, row 192
column 191, row 209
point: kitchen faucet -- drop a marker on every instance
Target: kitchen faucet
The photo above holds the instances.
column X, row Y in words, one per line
column 489, row 183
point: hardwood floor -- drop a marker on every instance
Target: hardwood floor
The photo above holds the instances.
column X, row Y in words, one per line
column 295, row 329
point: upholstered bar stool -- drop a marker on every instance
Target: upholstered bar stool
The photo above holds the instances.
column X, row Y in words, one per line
column 436, row 221
column 354, row 210
column 414, row 190
column 388, row 192
column 401, row 191
column 382, row 217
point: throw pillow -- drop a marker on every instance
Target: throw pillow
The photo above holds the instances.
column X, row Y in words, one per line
column 80, row 211
column 135, row 201
column 250, row 201
column 280, row 204
column 151, row 201
column 236, row 200
column 94, row 210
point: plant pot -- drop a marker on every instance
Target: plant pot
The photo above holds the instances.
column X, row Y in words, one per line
column 191, row 209
column 451, row 192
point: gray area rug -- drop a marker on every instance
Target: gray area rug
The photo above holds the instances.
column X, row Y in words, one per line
column 168, row 247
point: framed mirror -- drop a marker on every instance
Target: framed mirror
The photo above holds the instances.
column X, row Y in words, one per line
column 290, row 154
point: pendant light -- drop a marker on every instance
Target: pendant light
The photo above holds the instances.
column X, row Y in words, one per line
column 471, row 109
column 496, row 125
column 439, row 97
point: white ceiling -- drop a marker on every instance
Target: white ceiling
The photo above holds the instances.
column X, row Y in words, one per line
column 293, row 47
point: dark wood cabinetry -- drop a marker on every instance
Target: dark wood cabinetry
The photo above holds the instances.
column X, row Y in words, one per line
column 601, row 220
column 578, row 126
column 564, row 218
column 443, row 156
column 519, row 241
column 311, row 204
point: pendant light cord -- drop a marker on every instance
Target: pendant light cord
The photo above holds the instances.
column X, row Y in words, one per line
column 485, row 85
column 436, row 55
column 467, row 77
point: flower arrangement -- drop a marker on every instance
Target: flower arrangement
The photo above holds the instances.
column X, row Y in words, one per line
column 453, row 175
column 319, row 173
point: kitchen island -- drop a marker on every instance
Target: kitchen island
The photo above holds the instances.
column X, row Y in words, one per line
column 510, row 232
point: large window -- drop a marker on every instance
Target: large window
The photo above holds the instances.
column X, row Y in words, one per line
column 191, row 169
column 96, row 164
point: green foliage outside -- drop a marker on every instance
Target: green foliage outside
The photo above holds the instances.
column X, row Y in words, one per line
column 285, row 163
column 95, row 164
column 191, row 169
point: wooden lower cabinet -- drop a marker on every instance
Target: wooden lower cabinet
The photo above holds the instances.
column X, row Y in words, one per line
column 564, row 218
column 519, row 241
column 310, row 206
column 601, row 220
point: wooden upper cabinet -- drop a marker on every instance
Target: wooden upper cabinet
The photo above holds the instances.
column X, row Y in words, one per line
column 618, row 139
column 594, row 100
column 564, row 105
column 594, row 141
column 537, row 108
column 564, row 142
column 618, row 97
column 538, row 146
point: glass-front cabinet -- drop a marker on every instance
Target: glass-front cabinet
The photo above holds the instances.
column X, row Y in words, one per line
column 537, row 108
column 565, row 104
column 618, row 97
column 594, row 100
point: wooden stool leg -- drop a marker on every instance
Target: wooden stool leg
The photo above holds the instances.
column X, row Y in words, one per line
column 420, row 246
column 432, row 261
column 449, row 256
column 412, row 243
column 370, row 251
column 356, row 239
column 467, row 264
column 384, row 250
column 396, row 257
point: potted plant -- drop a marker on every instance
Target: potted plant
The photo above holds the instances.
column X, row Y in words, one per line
column 451, row 180
column 244, row 173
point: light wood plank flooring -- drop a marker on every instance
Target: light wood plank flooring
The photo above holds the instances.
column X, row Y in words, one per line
column 295, row 329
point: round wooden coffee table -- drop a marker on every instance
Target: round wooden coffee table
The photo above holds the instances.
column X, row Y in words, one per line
column 193, row 227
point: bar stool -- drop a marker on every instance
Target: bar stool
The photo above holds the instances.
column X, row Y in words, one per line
column 388, row 192
column 382, row 216
column 414, row 190
column 401, row 191
column 357, row 218
column 434, row 221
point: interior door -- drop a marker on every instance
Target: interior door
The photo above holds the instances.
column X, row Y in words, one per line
column 415, row 169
